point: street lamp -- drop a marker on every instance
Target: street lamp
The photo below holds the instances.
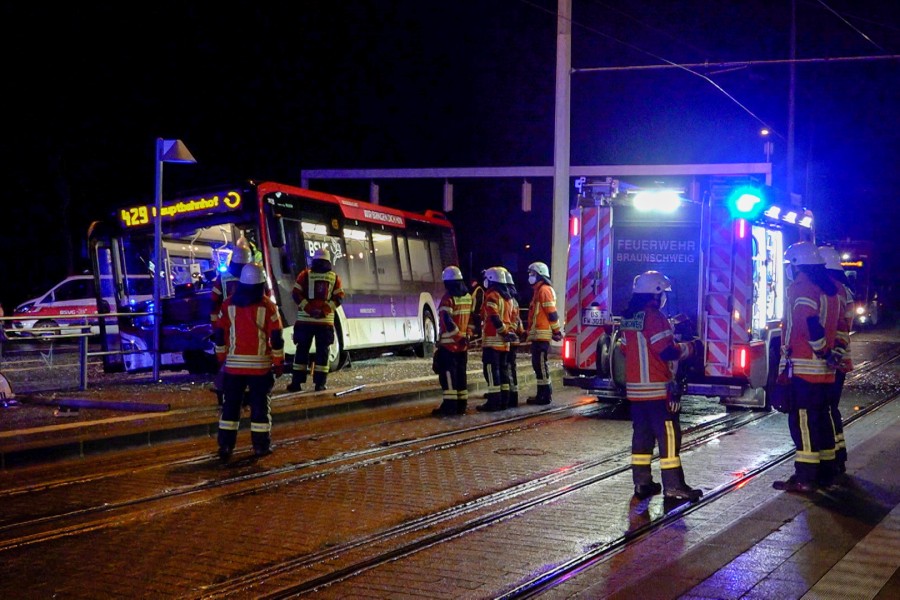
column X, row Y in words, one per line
column 173, row 151
column 768, row 146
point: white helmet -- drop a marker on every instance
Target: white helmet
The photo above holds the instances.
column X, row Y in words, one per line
column 252, row 274
column 452, row 273
column 241, row 254
column 651, row 282
column 494, row 275
column 507, row 276
column 322, row 254
column 540, row 268
column 831, row 257
column 803, row 253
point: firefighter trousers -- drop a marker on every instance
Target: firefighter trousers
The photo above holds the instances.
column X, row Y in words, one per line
column 837, row 423
column 304, row 335
column 810, row 423
column 257, row 388
column 451, row 372
column 652, row 425
column 496, row 375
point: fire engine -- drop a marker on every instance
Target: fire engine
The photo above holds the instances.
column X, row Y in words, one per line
column 722, row 246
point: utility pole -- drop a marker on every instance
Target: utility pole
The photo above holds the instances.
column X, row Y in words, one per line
column 561, row 154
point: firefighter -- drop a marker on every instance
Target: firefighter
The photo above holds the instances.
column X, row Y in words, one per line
column 514, row 322
column 495, row 341
column 651, row 361
column 841, row 347
column 808, row 360
column 451, row 356
column 250, row 346
column 224, row 285
column 318, row 292
column 543, row 326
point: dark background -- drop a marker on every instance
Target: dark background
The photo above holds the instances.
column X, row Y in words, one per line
column 264, row 91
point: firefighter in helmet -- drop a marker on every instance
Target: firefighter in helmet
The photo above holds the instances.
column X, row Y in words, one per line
column 451, row 355
column 651, row 361
column 250, row 347
column 318, row 292
column 514, row 322
column 543, row 326
column 808, row 361
column 224, row 285
column 841, row 349
column 495, row 341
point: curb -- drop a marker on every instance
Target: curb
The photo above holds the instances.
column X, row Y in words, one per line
column 38, row 445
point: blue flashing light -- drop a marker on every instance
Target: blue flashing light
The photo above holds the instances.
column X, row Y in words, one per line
column 746, row 202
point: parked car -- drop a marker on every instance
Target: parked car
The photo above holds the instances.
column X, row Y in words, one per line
column 67, row 303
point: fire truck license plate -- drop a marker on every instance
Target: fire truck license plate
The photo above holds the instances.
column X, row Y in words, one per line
column 594, row 316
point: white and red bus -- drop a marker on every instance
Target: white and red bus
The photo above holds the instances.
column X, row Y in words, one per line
column 390, row 262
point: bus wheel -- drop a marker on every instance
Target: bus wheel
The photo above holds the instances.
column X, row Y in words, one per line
column 337, row 357
column 429, row 332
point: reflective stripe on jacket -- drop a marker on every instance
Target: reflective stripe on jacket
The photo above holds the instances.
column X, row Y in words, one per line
column 542, row 307
column 454, row 318
column 805, row 300
column 646, row 336
column 251, row 345
column 317, row 291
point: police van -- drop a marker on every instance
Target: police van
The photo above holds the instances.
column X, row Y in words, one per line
column 70, row 302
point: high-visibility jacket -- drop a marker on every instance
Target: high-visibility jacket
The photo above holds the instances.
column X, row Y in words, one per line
column 223, row 286
column 317, row 291
column 804, row 300
column 845, row 324
column 645, row 337
column 513, row 320
column 455, row 322
column 494, row 327
column 543, row 319
column 252, row 341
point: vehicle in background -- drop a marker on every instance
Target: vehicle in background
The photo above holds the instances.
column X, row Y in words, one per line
column 723, row 250
column 856, row 258
column 390, row 263
column 70, row 302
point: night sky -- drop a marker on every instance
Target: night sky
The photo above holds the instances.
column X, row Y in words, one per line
column 260, row 90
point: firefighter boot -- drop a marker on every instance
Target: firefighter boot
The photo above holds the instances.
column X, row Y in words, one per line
column 675, row 488
column 462, row 401
column 447, row 407
column 644, row 486
column 513, row 400
column 492, row 404
column 319, row 380
column 298, row 378
column 542, row 397
column 504, row 399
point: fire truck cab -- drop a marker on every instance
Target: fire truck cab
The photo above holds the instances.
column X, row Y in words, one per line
column 722, row 247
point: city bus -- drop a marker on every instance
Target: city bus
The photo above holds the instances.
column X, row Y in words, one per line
column 389, row 260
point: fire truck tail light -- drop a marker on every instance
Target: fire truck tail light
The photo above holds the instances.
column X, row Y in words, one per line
column 741, row 359
column 573, row 226
column 568, row 352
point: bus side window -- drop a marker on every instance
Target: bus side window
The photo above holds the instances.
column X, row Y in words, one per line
column 403, row 255
column 386, row 261
column 420, row 259
column 436, row 260
column 359, row 259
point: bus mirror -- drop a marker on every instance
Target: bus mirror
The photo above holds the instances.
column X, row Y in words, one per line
column 276, row 230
